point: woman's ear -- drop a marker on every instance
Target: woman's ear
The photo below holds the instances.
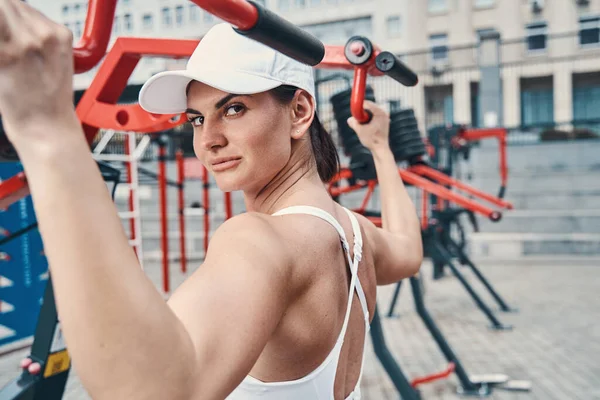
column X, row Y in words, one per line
column 303, row 111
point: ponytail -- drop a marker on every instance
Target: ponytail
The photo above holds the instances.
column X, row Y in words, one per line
column 323, row 147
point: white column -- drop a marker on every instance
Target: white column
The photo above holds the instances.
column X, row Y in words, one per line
column 461, row 94
column 511, row 99
column 563, row 94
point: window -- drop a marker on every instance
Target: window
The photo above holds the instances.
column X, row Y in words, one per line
column 536, row 37
column 439, row 47
column 179, row 15
column 437, row 5
column 589, row 31
column 394, row 25
column 194, row 12
column 116, row 24
column 147, row 21
column 484, row 3
column 315, row 3
column 76, row 8
column 127, row 23
column 482, row 32
column 77, row 31
column 300, row 3
column 537, row 101
column 126, row 2
column 166, row 16
column 65, row 10
column 283, row 5
column 208, row 17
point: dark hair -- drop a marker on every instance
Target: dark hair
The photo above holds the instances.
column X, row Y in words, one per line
column 323, row 148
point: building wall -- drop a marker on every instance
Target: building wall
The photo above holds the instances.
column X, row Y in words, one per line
column 461, row 21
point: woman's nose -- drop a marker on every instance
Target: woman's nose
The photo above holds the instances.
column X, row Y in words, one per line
column 211, row 138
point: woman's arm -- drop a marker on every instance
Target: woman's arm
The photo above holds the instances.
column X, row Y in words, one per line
column 124, row 340
column 398, row 245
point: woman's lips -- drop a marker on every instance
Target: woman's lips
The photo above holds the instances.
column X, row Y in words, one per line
column 225, row 165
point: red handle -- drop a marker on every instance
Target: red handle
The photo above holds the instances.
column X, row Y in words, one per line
column 357, row 98
column 237, row 12
column 96, row 34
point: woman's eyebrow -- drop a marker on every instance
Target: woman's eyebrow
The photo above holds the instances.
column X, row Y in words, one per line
column 192, row 111
column 230, row 96
column 219, row 103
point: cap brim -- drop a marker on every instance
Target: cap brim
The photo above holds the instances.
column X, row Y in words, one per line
column 164, row 93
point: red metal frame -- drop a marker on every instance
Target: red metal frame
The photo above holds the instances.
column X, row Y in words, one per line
column 501, row 134
column 237, row 12
column 426, row 185
column 181, row 205
column 164, row 238
column 228, row 206
column 444, row 179
column 206, row 201
column 96, row 35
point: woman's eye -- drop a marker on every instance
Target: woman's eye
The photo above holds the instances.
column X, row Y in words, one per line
column 234, row 109
column 197, row 121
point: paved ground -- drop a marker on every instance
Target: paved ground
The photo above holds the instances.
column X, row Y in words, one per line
column 555, row 343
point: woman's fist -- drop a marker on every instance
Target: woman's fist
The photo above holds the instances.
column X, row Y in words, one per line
column 36, row 69
column 374, row 134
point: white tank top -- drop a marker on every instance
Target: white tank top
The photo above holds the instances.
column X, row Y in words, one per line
column 317, row 385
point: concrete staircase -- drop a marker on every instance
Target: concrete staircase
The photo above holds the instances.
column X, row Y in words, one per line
column 555, row 189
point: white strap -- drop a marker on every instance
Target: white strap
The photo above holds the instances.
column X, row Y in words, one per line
column 358, row 251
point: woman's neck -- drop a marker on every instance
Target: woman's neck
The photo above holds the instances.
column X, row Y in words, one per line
column 296, row 184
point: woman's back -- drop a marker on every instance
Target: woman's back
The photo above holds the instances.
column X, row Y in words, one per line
column 305, row 343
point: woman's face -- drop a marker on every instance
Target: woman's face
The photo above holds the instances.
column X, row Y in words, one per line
column 243, row 140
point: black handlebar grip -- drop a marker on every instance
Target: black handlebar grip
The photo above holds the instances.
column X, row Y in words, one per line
column 279, row 34
column 390, row 65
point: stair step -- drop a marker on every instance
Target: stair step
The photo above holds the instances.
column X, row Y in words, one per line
column 545, row 221
column 515, row 245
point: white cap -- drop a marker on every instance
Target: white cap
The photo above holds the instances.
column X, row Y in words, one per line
column 229, row 62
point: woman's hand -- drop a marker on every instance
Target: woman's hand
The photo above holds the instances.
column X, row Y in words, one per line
column 36, row 73
column 375, row 134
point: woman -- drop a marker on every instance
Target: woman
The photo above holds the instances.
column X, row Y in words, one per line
column 278, row 309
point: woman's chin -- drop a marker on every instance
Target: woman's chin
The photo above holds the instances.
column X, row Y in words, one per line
column 229, row 184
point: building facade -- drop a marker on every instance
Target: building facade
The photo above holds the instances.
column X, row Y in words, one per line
column 548, row 54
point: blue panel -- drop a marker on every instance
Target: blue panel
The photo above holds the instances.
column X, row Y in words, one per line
column 24, row 267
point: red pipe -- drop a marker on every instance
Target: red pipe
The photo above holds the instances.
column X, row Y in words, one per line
column 133, row 234
column 228, row 208
column 433, row 377
column 500, row 133
column 237, row 12
column 162, row 184
column 96, row 35
column 180, row 188
column 357, row 97
column 424, row 209
column 443, row 193
column 444, row 179
column 205, row 187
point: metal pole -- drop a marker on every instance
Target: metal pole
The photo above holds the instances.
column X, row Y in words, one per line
column 180, row 192
column 162, row 184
